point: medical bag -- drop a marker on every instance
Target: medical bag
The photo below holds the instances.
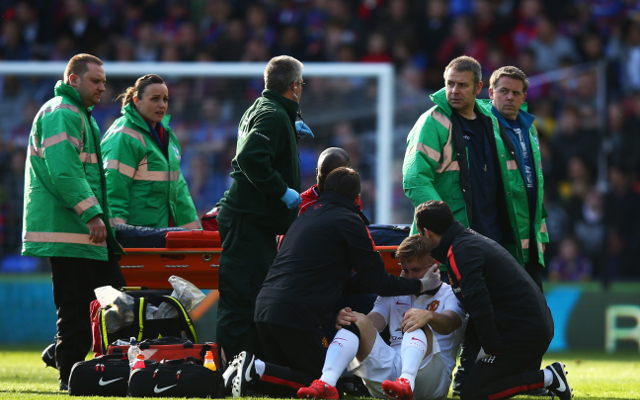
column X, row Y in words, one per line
column 176, row 378
column 143, row 325
column 171, row 348
column 102, row 376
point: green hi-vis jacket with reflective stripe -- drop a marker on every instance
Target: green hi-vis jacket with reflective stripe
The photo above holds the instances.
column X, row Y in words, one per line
column 431, row 172
column 517, row 200
column 145, row 187
column 64, row 182
column 266, row 164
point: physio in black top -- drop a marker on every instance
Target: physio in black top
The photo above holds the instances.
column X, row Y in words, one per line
column 513, row 322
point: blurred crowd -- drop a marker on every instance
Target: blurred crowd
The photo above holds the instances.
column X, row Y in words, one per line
column 587, row 106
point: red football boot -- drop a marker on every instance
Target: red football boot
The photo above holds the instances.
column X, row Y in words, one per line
column 400, row 389
column 318, row 390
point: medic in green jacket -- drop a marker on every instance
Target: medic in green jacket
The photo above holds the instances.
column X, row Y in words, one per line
column 431, row 172
column 64, row 182
column 145, row 186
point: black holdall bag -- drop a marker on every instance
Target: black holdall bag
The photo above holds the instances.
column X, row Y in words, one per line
column 176, row 378
column 143, row 328
column 102, row 376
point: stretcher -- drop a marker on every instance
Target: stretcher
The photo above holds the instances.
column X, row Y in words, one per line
column 152, row 268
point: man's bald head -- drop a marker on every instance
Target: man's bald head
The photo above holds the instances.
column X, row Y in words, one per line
column 330, row 159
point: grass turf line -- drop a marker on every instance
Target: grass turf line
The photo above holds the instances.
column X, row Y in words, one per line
column 593, row 375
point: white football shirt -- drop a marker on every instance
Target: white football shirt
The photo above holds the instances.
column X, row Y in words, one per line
column 393, row 309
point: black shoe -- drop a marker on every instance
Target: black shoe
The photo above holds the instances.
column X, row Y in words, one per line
column 64, row 386
column 560, row 386
column 542, row 392
column 49, row 356
column 245, row 375
column 352, row 386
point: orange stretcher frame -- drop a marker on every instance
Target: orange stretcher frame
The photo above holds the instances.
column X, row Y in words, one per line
column 152, row 268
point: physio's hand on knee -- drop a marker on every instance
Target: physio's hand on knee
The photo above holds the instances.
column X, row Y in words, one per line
column 415, row 319
column 345, row 317
column 97, row 230
column 291, row 198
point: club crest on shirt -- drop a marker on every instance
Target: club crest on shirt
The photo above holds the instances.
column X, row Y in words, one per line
column 175, row 150
column 433, row 305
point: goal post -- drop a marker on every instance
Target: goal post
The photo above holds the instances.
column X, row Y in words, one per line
column 383, row 74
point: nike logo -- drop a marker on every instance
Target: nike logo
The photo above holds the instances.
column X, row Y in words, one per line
column 247, row 375
column 160, row 390
column 414, row 338
column 402, row 304
column 561, row 385
column 105, row 383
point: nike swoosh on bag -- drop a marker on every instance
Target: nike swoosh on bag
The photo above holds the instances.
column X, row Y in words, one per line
column 561, row 386
column 160, row 390
column 105, row 383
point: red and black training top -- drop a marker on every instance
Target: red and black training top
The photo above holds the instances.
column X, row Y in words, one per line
column 327, row 251
column 508, row 309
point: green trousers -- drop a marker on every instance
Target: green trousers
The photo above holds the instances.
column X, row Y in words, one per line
column 247, row 254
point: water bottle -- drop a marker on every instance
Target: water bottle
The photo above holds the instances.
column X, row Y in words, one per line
column 139, row 362
column 208, row 361
column 132, row 354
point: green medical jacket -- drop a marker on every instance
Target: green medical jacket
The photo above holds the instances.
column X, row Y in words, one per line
column 266, row 163
column 64, row 182
column 431, row 172
column 145, row 187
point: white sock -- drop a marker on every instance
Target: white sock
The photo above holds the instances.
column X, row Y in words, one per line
column 259, row 365
column 548, row 377
column 413, row 351
column 341, row 351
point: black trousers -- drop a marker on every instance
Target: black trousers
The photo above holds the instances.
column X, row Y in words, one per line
column 507, row 374
column 534, row 269
column 469, row 347
column 248, row 252
column 293, row 359
column 74, row 280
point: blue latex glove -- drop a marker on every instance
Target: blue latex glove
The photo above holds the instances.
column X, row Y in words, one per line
column 291, row 198
column 303, row 130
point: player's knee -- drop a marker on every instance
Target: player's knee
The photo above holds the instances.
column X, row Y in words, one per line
column 427, row 330
column 353, row 328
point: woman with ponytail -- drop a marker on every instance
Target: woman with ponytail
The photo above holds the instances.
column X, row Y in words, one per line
column 145, row 186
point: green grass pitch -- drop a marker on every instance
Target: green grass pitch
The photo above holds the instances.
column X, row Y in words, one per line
column 593, row 375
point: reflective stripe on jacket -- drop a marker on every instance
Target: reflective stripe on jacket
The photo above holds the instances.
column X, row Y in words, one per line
column 145, row 187
column 64, row 181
